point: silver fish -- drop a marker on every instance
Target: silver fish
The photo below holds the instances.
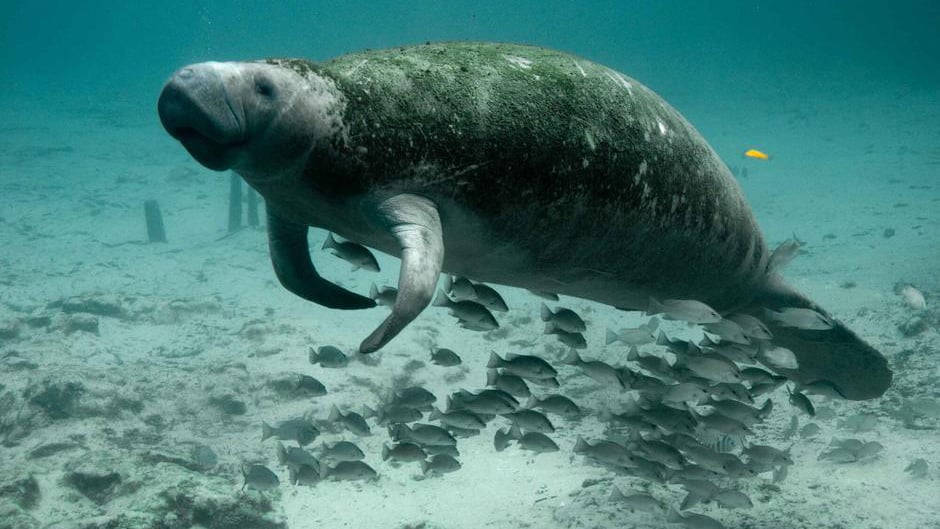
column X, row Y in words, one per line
column 392, row 414
column 800, row 318
column 574, row 340
column 471, row 314
column 531, row 420
column 732, row 499
column 533, row 441
column 641, row 335
column 310, row 386
column 713, row 367
column 300, row 430
column 756, row 375
column 777, row 357
column 328, row 356
column 384, row 296
column 422, row 434
column 557, row 404
column 450, row 450
column 721, row 423
column 604, row 451
column 636, row 501
column 294, row 456
column 688, row 310
column 662, row 453
column 822, row 388
column 768, row 454
column 459, row 288
column 413, row 397
column 782, row 255
column 564, row 319
column 489, row 297
column 341, row 451
column 652, row 363
column 459, row 418
column 739, row 411
column 305, row 475
column 440, row 464
column 403, row 452
column 525, row 366
column 353, row 253
column 693, row 520
column 511, row 384
column 729, row 331
column 838, row 455
column 444, row 358
column 351, row 420
column 752, row 326
column 801, row 402
column 599, row 371
column 350, row 471
column 485, row 403
column 259, row 477
column 682, row 393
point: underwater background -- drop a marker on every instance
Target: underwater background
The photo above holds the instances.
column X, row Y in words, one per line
column 134, row 377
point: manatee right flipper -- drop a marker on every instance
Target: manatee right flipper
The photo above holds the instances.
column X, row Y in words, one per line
column 836, row 355
column 290, row 254
column 415, row 224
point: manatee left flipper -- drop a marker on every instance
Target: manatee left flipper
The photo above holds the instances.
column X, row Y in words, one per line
column 416, row 225
column 290, row 255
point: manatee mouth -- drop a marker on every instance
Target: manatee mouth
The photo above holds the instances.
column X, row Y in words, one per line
column 195, row 109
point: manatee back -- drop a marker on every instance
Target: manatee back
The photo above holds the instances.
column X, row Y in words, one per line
column 535, row 141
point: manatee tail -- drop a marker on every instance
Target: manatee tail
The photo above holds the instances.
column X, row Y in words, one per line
column 837, row 355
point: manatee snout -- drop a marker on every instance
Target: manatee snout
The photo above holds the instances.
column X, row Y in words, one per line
column 196, row 108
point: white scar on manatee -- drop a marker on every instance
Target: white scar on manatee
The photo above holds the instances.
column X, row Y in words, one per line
column 521, row 62
column 618, row 78
column 580, row 69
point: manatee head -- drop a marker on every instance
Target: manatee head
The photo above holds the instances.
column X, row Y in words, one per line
column 258, row 118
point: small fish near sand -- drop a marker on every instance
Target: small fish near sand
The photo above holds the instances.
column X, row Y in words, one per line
column 783, row 254
column 564, row 319
column 575, row 340
column 351, row 420
column 350, row 471
column 640, row 335
column 687, row 310
column 328, row 356
column 445, row 358
column 259, row 477
column 300, row 430
column 800, row 318
column 472, row 315
column 801, row 402
column 384, row 296
column 440, row 464
column 353, row 253
column 525, row 366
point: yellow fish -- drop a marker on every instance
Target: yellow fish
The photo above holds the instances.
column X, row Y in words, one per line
column 754, row 153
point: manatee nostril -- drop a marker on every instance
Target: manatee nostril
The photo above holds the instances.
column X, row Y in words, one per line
column 186, row 73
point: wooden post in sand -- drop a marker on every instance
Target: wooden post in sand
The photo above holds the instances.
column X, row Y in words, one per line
column 253, row 208
column 234, row 203
column 155, row 230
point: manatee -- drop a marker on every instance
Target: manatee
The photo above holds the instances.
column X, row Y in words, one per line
column 507, row 164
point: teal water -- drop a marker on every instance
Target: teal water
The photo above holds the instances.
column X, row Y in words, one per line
column 118, row 359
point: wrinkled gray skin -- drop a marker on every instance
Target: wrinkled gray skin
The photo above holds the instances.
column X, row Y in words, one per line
column 507, row 164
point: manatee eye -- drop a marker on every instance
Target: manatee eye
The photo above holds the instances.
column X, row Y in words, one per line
column 264, row 88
